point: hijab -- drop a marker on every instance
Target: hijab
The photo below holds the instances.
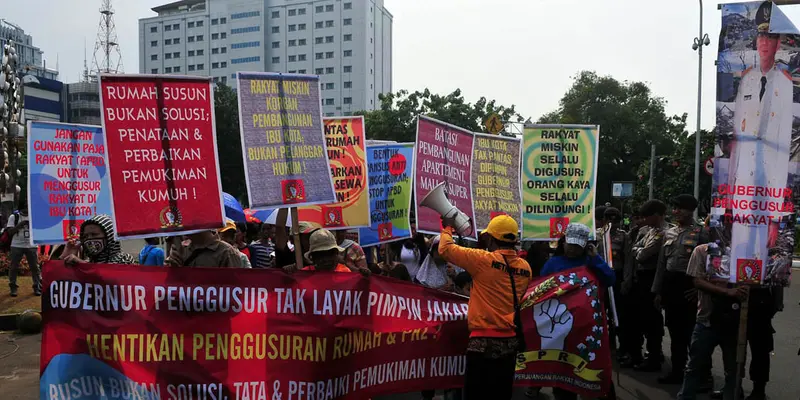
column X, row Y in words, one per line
column 112, row 251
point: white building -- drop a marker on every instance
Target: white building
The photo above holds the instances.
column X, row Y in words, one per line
column 30, row 57
column 347, row 42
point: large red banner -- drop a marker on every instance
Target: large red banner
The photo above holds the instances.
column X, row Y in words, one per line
column 124, row 331
column 246, row 333
column 162, row 154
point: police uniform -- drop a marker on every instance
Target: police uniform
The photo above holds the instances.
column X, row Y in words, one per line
column 672, row 283
column 650, row 323
column 762, row 124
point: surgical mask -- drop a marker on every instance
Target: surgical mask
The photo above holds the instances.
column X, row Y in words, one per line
column 93, row 247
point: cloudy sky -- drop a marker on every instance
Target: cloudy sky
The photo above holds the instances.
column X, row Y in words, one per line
column 521, row 52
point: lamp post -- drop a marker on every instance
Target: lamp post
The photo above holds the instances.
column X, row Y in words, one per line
column 700, row 41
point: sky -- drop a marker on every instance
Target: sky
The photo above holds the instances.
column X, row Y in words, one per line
column 520, row 52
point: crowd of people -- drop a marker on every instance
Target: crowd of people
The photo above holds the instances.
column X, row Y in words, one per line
column 654, row 267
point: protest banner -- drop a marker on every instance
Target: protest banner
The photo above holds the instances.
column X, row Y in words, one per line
column 755, row 169
column 495, row 178
column 67, row 179
column 346, row 144
column 566, row 333
column 390, row 175
column 443, row 154
column 283, row 143
column 559, row 173
column 162, row 154
column 239, row 333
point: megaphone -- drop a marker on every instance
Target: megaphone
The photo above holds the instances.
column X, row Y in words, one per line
column 437, row 200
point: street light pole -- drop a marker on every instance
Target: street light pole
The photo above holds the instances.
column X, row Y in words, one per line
column 700, row 41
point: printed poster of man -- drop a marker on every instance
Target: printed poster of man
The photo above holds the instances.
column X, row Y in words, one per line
column 758, row 120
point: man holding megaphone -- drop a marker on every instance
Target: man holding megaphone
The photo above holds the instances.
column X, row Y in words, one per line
column 500, row 278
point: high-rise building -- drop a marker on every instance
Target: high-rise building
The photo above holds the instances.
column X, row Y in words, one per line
column 348, row 43
column 30, row 57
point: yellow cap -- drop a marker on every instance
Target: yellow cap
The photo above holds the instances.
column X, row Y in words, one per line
column 228, row 226
column 503, row 228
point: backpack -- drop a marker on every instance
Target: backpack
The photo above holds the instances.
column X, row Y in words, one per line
column 6, row 236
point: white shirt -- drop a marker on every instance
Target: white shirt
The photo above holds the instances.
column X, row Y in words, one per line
column 22, row 239
column 411, row 260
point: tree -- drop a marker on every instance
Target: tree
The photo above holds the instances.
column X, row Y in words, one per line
column 630, row 117
column 229, row 142
column 396, row 117
column 674, row 173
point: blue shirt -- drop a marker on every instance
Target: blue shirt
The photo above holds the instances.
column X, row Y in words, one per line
column 151, row 255
column 561, row 263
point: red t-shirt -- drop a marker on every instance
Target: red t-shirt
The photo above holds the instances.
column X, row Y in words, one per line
column 339, row 268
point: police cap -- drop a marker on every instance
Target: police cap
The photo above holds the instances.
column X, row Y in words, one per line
column 763, row 16
column 612, row 214
column 684, row 202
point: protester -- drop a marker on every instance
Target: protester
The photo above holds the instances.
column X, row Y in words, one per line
column 537, row 256
column 353, row 255
column 412, row 252
column 325, row 254
column 574, row 250
column 284, row 253
column 97, row 244
column 19, row 229
column 204, row 249
column 228, row 234
column 650, row 322
column 674, row 289
column 261, row 248
column 151, row 253
column 717, row 322
column 399, row 271
column 241, row 239
column 500, row 279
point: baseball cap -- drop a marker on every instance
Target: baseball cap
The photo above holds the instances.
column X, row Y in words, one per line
column 503, row 228
column 228, row 226
column 322, row 240
column 577, row 234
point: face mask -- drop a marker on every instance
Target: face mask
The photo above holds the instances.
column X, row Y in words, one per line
column 94, row 247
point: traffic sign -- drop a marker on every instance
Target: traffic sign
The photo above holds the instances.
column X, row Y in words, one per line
column 709, row 166
column 493, row 124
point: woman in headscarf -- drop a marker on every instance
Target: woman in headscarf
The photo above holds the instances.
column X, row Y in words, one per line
column 97, row 244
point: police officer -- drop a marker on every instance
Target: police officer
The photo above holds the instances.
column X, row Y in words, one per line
column 619, row 244
column 649, row 323
column 762, row 133
column 674, row 289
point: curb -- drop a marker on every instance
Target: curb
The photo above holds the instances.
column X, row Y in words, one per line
column 8, row 322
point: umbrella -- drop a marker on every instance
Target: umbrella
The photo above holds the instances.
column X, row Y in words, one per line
column 233, row 209
column 257, row 216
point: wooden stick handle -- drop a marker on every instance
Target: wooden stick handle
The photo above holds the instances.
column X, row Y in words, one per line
column 298, row 247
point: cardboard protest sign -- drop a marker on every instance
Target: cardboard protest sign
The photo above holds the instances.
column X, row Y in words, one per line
column 345, row 141
column 443, row 154
column 559, row 170
column 162, row 154
column 495, row 178
column 755, row 177
column 283, row 143
column 390, row 175
column 67, row 179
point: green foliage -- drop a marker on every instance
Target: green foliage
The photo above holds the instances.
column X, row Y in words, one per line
column 631, row 118
column 396, row 117
column 229, row 142
column 674, row 173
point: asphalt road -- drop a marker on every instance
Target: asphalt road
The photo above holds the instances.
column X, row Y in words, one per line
column 19, row 366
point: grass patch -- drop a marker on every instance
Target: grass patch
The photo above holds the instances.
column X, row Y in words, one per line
column 25, row 301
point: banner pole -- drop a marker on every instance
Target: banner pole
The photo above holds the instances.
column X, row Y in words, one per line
column 298, row 248
column 741, row 345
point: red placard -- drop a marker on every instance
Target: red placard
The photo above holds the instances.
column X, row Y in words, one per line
column 162, row 154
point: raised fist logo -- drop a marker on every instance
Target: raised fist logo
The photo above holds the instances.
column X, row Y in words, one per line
column 553, row 322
